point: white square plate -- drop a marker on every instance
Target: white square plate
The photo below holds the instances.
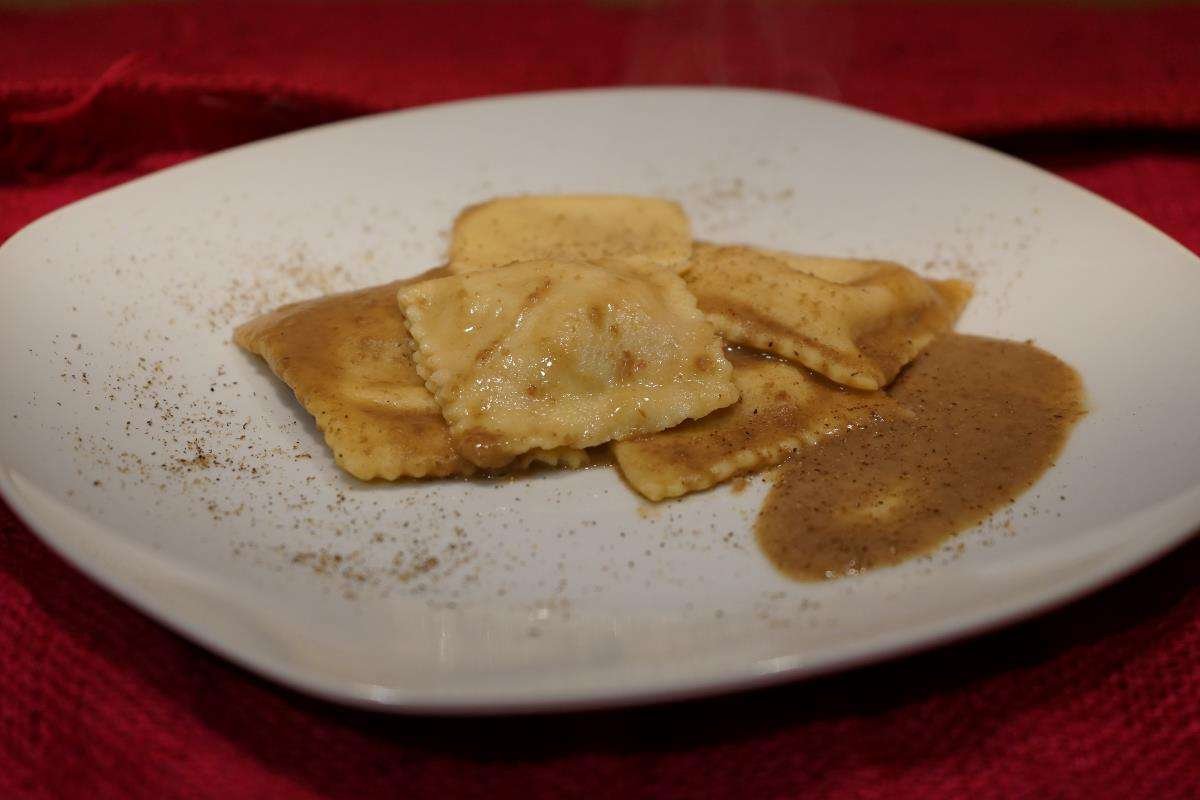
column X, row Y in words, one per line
column 169, row 466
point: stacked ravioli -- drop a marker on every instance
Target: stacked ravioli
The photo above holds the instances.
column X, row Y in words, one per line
column 564, row 324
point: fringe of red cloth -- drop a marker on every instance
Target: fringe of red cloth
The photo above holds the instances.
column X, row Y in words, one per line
column 120, row 119
column 205, row 77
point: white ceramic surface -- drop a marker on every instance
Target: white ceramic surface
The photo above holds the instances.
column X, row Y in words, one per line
column 172, row 468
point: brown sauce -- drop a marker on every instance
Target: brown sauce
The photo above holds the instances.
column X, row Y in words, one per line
column 990, row 417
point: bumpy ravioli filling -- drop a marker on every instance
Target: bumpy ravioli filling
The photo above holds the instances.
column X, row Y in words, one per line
column 563, row 353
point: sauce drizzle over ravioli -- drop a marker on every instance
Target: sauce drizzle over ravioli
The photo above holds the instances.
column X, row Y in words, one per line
column 990, row 417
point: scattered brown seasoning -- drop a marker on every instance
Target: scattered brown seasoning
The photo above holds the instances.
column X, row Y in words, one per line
column 721, row 205
column 176, row 436
column 294, row 279
column 990, row 417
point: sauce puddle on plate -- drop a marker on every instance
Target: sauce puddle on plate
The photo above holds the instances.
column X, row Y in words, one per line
column 990, row 417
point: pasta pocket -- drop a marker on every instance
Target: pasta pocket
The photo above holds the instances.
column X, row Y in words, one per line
column 348, row 359
column 552, row 353
column 580, row 227
column 783, row 408
column 856, row 322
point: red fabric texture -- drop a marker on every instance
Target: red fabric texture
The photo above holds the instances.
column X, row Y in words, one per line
column 1100, row 699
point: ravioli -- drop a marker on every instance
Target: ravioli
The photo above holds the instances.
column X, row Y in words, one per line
column 783, row 408
column 584, row 227
column 554, row 353
column 856, row 322
column 348, row 359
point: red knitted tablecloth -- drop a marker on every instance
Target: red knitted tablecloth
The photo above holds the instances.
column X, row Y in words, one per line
column 1100, row 699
